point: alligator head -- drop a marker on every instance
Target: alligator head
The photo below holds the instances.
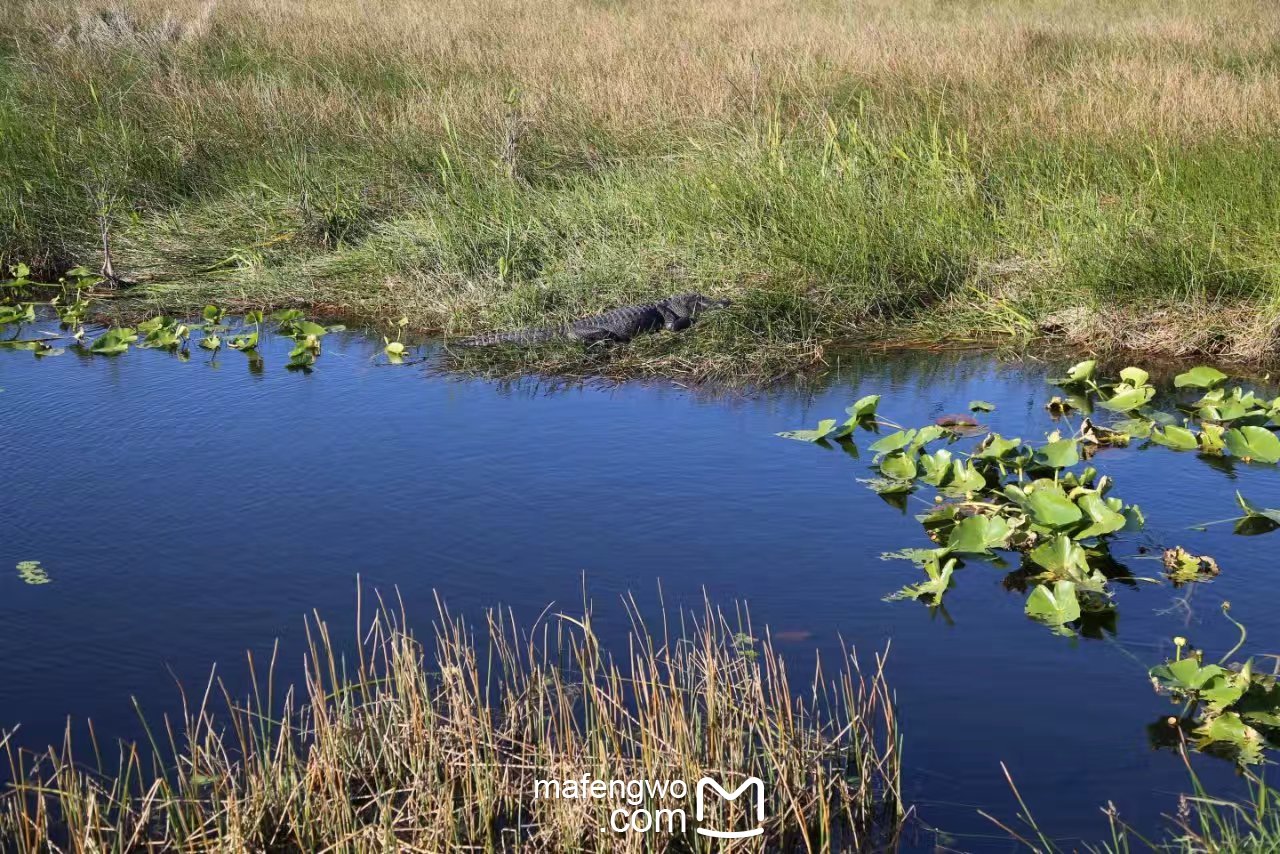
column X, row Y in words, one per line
column 692, row 305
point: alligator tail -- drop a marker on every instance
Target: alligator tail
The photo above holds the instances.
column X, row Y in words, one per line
column 518, row 337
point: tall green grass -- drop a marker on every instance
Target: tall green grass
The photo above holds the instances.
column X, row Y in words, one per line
column 230, row 168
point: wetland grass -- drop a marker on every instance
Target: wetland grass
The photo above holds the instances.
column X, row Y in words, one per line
column 398, row 745
column 912, row 169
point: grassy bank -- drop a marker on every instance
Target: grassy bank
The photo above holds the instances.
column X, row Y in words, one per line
column 907, row 169
column 387, row 751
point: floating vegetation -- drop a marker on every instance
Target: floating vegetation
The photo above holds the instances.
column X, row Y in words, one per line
column 1182, row 567
column 998, row 497
column 31, row 572
column 1041, row 508
column 114, row 341
column 1231, row 709
column 71, row 306
column 163, row 333
column 395, row 349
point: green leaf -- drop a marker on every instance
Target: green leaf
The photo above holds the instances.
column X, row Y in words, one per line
column 981, row 406
column 113, row 341
column 31, row 572
column 1104, row 519
column 1128, row 398
column 934, row 588
column 1063, row 559
column 864, row 407
column 1078, row 374
column 978, row 535
column 1228, row 728
column 996, row 447
column 825, row 428
column 1178, row 438
column 1059, row 455
column 1201, row 376
column 247, row 341
column 1135, row 376
column 893, row 442
column 1256, row 444
column 898, row 465
column 1055, row 607
column 1051, row 508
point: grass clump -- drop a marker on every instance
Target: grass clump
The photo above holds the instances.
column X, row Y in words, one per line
column 387, row 751
column 914, row 169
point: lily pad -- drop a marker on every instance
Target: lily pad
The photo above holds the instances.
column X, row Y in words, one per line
column 1055, row 607
column 978, row 535
column 1177, row 438
column 825, row 428
column 1253, row 444
column 1201, row 376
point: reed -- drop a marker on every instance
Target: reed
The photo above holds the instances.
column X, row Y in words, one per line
column 395, row 745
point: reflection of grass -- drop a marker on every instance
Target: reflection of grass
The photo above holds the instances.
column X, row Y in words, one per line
column 384, row 753
column 907, row 166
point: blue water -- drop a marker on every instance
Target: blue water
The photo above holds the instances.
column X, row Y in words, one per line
column 189, row 512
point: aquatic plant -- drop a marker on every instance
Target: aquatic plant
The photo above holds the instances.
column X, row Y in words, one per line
column 1230, row 708
column 114, row 341
column 436, row 747
column 163, row 333
column 1002, row 495
column 248, row 341
column 395, row 349
column 31, row 572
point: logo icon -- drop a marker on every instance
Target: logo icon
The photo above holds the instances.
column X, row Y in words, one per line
column 755, row 784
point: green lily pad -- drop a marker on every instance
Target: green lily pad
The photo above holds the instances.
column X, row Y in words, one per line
column 1054, row 607
column 1128, row 398
column 1256, row 444
column 898, row 465
column 1177, row 438
column 1061, row 454
column 981, row 406
column 978, row 534
column 825, row 428
column 1103, row 517
column 895, row 441
column 1201, row 376
column 1051, row 508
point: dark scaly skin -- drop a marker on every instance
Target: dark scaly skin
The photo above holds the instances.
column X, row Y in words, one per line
column 621, row 324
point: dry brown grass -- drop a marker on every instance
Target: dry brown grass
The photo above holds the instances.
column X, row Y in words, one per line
column 1177, row 69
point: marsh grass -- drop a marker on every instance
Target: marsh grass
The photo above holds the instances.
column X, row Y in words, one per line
column 395, row 748
column 1203, row 822
column 842, row 170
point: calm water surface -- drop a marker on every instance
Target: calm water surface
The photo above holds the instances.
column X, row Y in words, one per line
column 188, row 512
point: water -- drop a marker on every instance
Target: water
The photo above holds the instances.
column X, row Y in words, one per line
column 188, row 512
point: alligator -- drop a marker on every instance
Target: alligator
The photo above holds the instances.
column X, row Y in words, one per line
column 621, row 324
